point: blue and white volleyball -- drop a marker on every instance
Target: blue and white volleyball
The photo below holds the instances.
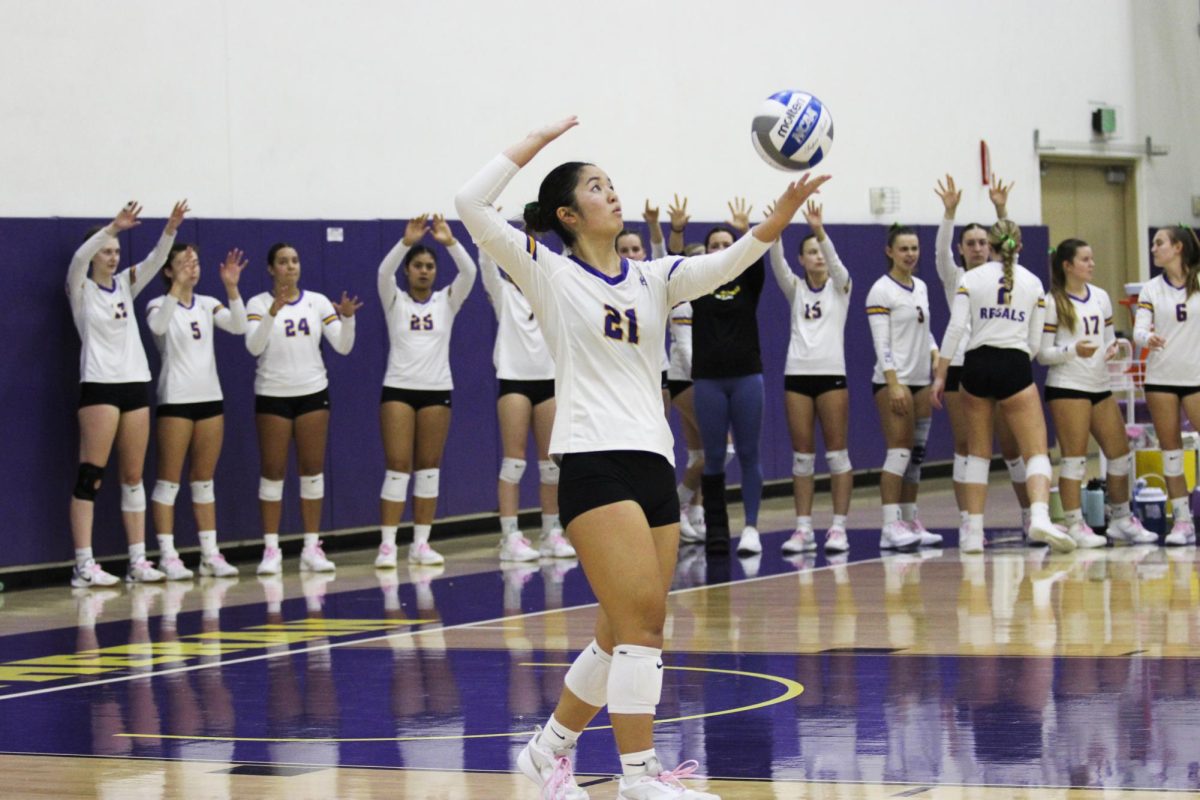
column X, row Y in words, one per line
column 792, row 131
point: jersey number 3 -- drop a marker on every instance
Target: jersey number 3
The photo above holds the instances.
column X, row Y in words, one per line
column 623, row 330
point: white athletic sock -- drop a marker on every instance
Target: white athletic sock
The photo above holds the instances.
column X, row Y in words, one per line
column 908, row 511
column 556, row 737
column 387, row 534
column 137, row 552
column 1181, row 510
column 166, row 544
column 421, row 533
column 804, row 522
column 208, row 543
column 891, row 512
column 635, row 765
column 508, row 525
column 82, row 556
column 1039, row 512
column 1120, row 510
column 839, row 520
column 311, row 540
column 271, row 540
column 976, row 522
column 1026, row 517
column 964, row 517
column 1073, row 517
column 549, row 521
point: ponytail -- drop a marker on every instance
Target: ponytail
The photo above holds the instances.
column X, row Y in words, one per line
column 1065, row 252
column 1189, row 254
column 1005, row 240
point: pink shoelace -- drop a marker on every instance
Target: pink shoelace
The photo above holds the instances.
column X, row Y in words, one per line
column 560, row 780
column 671, row 777
column 386, row 549
column 317, row 549
column 216, row 559
column 270, row 552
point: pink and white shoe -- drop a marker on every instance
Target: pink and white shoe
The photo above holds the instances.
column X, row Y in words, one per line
column 172, row 566
column 1183, row 533
column 554, row 545
column 91, row 575
column 836, row 540
column 927, row 538
column 424, row 554
column 666, row 785
column 1086, row 538
column 272, row 561
column 1129, row 530
column 386, row 557
column 515, row 547
column 312, row 559
column 802, row 540
column 143, row 571
column 214, row 565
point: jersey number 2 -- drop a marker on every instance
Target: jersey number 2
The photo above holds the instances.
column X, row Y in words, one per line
column 614, row 327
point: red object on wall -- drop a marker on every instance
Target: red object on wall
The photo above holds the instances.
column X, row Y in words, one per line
column 985, row 162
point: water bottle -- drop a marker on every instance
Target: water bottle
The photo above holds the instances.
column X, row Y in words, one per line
column 1093, row 504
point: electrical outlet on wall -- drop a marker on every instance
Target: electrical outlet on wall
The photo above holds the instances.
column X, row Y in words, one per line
column 334, row 234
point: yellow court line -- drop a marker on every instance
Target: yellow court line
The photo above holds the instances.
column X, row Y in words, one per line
column 792, row 689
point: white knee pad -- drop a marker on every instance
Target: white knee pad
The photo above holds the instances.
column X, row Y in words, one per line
column 202, row 492
column 838, row 461
column 425, row 483
column 897, row 460
column 133, row 497
column 803, row 464
column 588, row 676
column 634, row 679
column 1172, row 463
column 976, row 470
column 312, row 487
column 1073, row 468
column 695, row 457
column 1038, row 465
column 1016, row 469
column 164, row 493
column 960, row 468
column 512, row 469
column 395, row 486
column 1120, row 466
column 548, row 472
column 269, row 490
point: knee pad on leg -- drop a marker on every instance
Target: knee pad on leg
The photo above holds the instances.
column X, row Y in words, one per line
column 920, row 439
column 1120, row 466
column 1172, row 463
column 1038, row 465
column 87, row 484
column 202, row 492
column 395, row 486
column 588, row 676
column 425, row 483
column 634, row 679
column 695, row 457
column 803, row 464
column 960, row 468
column 838, row 461
column 164, row 493
column 976, row 470
column 312, row 487
column 512, row 470
column 1016, row 469
column 1073, row 468
column 269, row 490
column 133, row 497
column 548, row 472
column 897, row 460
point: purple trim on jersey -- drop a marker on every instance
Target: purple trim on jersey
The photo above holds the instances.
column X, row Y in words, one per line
column 901, row 285
column 1167, row 281
column 671, row 272
column 101, row 288
column 1083, row 299
column 420, row 302
column 191, row 306
column 812, row 288
column 610, row 280
column 298, row 299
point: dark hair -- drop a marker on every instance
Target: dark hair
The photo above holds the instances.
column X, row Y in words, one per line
column 694, row 249
column 968, row 228
column 630, row 232
column 1005, row 238
column 176, row 249
column 718, row 229
column 895, row 232
column 274, row 251
column 1189, row 254
column 1065, row 252
column 804, row 241
column 557, row 190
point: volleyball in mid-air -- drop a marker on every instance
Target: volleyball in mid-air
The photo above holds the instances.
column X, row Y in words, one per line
column 792, row 130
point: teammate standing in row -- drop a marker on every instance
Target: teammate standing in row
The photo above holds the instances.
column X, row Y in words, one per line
column 191, row 415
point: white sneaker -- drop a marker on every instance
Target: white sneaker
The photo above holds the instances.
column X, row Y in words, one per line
column 515, row 547
column 836, row 540
column 424, row 554
column 897, row 536
column 1086, row 538
column 1129, row 530
column 687, row 531
column 172, row 566
column 272, row 561
column 1053, row 535
column 91, row 574
column 143, row 571
column 555, row 545
column 1182, row 533
column 927, row 537
column 312, row 559
column 215, row 566
column 696, row 517
column 663, row 786
column 970, row 541
column 386, row 557
column 749, row 543
column 802, row 540
column 552, row 772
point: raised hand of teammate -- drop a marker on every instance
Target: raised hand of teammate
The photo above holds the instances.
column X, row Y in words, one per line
column 231, row 270
column 180, row 211
column 950, row 195
column 415, row 230
column 739, row 214
column 441, row 231
column 347, row 306
column 127, row 217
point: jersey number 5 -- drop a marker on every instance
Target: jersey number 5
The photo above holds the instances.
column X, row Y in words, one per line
column 615, row 327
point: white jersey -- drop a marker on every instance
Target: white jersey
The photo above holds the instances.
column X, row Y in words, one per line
column 419, row 331
column 184, row 337
column 679, row 363
column 899, row 319
column 1008, row 319
column 1093, row 323
column 606, row 333
column 817, row 345
column 521, row 353
column 1167, row 310
column 111, row 349
column 288, row 345
column 950, row 274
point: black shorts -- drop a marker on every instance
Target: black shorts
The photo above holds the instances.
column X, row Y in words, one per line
column 417, row 398
column 125, row 396
column 193, row 411
column 953, row 378
column 1057, row 393
column 592, row 480
column 666, row 382
column 1179, row 391
column 876, row 387
column 813, row 385
column 538, row 392
column 291, row 407
column 677, row 388
column 996, row 373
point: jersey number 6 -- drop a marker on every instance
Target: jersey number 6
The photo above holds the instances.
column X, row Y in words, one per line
column 614, row 327
column 1181, row 312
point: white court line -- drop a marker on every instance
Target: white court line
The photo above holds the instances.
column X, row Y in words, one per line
column 331, row 645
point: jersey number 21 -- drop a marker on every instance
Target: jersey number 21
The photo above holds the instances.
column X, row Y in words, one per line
column 623, row 330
